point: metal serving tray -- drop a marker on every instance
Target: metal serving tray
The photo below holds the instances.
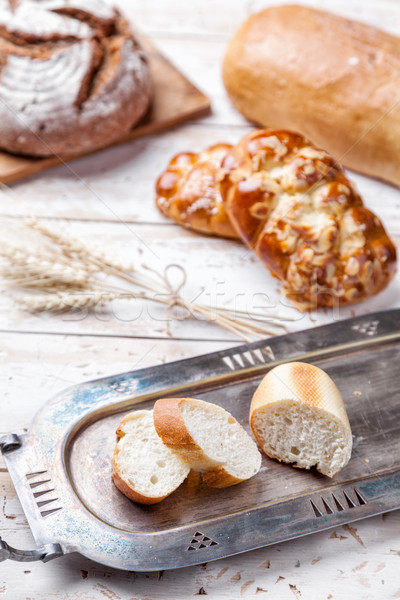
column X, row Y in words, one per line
column 61, row 468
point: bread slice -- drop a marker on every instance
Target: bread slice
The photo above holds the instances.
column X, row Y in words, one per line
column 298, row 416
column 143, row 468
column 208, row 438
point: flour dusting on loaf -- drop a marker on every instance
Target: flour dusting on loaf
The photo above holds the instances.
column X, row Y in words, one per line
column 35, row 20
column 73, row 77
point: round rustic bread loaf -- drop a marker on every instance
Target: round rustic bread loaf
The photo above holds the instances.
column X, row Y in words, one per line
column 73, row 77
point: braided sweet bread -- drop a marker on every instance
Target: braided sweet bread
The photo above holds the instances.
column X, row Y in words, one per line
column 293, row 205
column 188, row 191
column 72, row 76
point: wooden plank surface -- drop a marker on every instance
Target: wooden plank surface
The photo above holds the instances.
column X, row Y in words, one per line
column 39, row 355
column 175, row 99
column 216, row 269
column 355, row 561
column 55, row 362
column 199, row 21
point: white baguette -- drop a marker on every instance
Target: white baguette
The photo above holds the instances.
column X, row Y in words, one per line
column 144, row 469
column 298, row 416
column 208, row 438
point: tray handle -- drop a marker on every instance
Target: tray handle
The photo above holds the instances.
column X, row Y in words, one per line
column 8, row 443
column 43, row 553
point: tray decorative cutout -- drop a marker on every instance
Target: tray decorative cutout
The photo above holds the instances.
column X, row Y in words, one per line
column 61, row 468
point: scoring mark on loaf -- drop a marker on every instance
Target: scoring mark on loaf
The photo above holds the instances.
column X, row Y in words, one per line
column 251, row 357
column 200, row 541
column 337, row 502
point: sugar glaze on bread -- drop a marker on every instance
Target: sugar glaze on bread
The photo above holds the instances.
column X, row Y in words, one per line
column 293, row 205
column 188, row 191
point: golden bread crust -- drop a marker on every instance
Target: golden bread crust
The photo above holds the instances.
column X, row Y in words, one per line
column 188, row 191
column 294, row 386
column 304, row 382
column 170, row 426
column 220, row 478
column 293, row 205
column 333, row 79
column 119, row 481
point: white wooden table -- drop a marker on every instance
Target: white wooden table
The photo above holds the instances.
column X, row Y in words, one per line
column 109, row 196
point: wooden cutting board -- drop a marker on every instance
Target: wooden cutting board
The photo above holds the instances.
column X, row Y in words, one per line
column 175, row 100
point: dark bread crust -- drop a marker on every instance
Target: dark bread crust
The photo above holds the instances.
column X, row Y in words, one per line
column 75, row 84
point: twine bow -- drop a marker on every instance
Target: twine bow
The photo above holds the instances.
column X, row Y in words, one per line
column 175, row 297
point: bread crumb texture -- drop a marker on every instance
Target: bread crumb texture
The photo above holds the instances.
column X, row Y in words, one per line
column 143, row 462
column 221, row 437
column 298, row 416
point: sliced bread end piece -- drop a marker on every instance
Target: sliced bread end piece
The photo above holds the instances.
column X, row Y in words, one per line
column 208, row 438
column 144, row 469
column 298, row 416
